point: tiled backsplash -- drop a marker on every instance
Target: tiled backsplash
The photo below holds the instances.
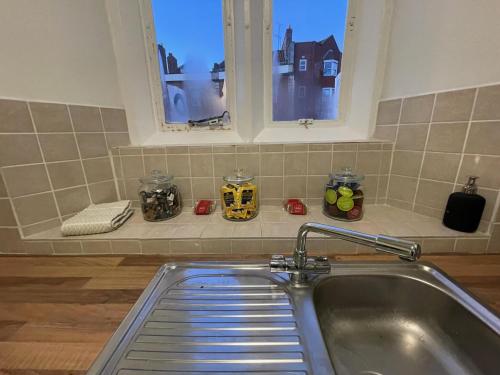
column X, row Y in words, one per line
column 54, row 161
column 440, row 139
column 281, row 171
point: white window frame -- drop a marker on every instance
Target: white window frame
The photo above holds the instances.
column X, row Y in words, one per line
column 329, row 90
column 250, row 41
column 334, row 63
column 303, row 65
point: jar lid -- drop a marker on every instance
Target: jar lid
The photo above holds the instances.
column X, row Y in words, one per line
column 156, row 177
column 237, row 178
column 346, row 175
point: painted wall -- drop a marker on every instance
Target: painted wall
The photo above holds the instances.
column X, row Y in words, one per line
column 59, row 51
column 442, row 45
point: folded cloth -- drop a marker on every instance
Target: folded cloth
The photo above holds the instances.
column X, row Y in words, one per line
column 98, row 218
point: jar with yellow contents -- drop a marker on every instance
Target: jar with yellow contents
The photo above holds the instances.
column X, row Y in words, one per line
column 343, row 196
column 239, row 197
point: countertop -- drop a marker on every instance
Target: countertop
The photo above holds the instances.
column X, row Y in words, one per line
column 56, row 313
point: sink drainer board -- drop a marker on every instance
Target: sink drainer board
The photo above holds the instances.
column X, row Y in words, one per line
column 364, row 318
column 215, row 322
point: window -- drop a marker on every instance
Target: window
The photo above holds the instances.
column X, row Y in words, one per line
column 191, row 60
column 319, row 34
column 330, row 68
column 302, row 65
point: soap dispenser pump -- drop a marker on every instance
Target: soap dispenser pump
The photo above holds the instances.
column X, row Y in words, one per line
column 464, row 209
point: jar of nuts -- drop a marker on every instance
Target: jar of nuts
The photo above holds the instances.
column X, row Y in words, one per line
column 160, row 198
column 343, row 196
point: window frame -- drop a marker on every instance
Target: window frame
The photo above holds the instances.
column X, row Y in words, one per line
column 333, row 62
column 348, row 57
column 154, row 69
column 303, row 60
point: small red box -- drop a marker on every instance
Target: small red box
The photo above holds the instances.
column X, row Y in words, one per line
column 295, row 207
column 204, row 207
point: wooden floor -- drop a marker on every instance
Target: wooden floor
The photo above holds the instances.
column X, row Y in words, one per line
column 56, row 313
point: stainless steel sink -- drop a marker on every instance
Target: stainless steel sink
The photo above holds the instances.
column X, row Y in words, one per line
column 404, row 320
column 361, row 318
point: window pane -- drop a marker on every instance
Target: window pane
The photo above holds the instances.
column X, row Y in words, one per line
column 190, row 39
column 308, row 41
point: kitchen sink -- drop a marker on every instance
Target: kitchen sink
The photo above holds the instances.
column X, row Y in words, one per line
column 360, row 318
column 404, row 320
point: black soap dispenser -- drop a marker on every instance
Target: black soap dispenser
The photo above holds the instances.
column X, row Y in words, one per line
column 464, row 209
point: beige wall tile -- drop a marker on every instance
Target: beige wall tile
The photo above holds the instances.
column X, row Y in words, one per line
column 296, row 147
column 3, row 189
column 92, row 145
column 201, row 165
column 67, row 247
column 388, row 112
column 484, row 138
column 159, row 247
column 429, row 211
column 319, row 163
column 98, row 170
column 184, row 185
column 438, row 245
column 66, row 174
column 417, row 109
column 155, row 162
column 277, row 246
column 486, row 167
column 178, row 165
column 177, row 150
column 454, row 105
column 125, row 247
column 400, row 204
column 271, row 148
column 133, row 166
column 369, row 146
column 271, row 187
column 58, row 147
column 491, row 199
column 441, row 167
column 216, row 246
column 383, row 182
column 179, row 247
column 241, row 246
column 494, row 245
column 433, row 194
column 15, row 117
column 385, row 162
column 295, row 163
column 7, row 218
column 224, row 164
column 229, row 149
column 343, row 159
column 26, row 179
column 40, row 227
column 50, row 117
column 203, row 188
column 72, row 200
column 35, row 208
column 412, row 137
column 132, row 187
column 407, row 163
column 103, row 192
column 471, row 245
column 39, row 247
column 385, row 132
column 271, row 164
column 320, row 147
column 447, row 137
column 487, row 107
column 117, row 139
column 368, row 162
column 345, row 147
column 130, row 151
column 295, row 186
column 244, row 149
column 86, row 119
column 316, row 186
column 114, row 120
column 11, row 241
column 402, row 188
column 369, row 186
column 249, row 163
column 154, row 150
column 18, row 149
column 200, row 149
column 96, row 247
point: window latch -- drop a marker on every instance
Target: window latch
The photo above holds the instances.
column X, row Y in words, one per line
column 211, row 122
column 306, row 122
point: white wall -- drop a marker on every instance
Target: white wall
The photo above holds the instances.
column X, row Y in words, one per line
column 439, row 45
column 57, row 50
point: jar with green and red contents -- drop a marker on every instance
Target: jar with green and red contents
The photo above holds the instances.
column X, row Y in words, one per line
column 343, row 198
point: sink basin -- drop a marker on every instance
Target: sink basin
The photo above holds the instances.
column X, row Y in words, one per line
column 362, row 318
column 403, row 324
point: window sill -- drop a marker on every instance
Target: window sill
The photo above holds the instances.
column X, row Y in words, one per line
column 311, row 135
column 184, row 137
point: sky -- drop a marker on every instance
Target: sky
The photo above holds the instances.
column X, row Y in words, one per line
column 194, row 27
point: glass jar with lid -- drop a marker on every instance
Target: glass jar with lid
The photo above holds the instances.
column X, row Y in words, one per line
column 343, row 198
column 160, row 198
column 239, row 197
